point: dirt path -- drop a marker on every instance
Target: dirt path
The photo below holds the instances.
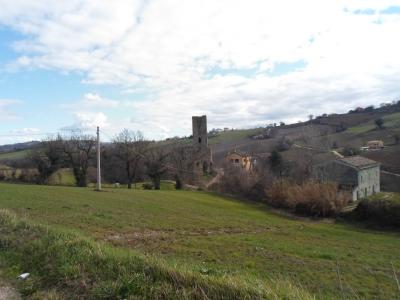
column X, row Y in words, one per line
column 7, row 292
column 390, row 173
column 220, row 173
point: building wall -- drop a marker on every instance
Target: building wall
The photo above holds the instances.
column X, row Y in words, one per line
column 368, row 183
column 238, row 160
column 375, row 144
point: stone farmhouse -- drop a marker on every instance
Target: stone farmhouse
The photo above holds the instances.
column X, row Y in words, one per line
column 375, row 145
column 358, row 175
column 239, row 159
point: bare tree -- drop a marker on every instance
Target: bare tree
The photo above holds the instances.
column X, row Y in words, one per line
column 130, row 148
column 79, row 152
column 48, row 158
column 156, row 164
column 181, row 162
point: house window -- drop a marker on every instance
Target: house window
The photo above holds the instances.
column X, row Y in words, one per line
column 236, row 161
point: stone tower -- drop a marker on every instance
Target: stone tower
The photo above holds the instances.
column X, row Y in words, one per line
column 201, row 154
column 199, row 127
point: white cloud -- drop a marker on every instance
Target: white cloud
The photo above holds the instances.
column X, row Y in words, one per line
column 6, row 113
column 169, row 49
column 91, row 119
column 88, row 120
column 92, row 101
column 26, row 131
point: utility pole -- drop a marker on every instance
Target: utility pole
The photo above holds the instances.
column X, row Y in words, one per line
column 98, row 161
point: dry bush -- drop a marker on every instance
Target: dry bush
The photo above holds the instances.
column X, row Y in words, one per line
column 310, row 198
column 277, row 193
column 239, row 182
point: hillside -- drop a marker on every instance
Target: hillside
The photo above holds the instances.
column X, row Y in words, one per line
column 14, row 155
column 356, row 129
column 217, row 237
column 18, row 146
column 314, row 141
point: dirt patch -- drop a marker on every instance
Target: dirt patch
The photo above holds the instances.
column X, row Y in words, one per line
column 149, row 236
column 7, row 292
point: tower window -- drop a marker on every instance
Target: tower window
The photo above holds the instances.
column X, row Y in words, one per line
column 199, row 140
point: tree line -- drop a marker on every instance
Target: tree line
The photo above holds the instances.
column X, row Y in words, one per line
column 127, row 159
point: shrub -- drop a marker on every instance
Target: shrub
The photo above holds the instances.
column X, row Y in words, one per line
column 147, row 186
column 309, row 198
column 284, row 144
column 379, row 123
column 239, row 182
column 349, row 151
column 277, row 193
column 382, row 210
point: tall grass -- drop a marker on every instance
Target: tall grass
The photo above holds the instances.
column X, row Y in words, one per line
column 310, row 198
column 73, row 267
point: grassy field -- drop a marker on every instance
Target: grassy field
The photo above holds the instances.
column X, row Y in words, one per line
column 14, row 155
column 220, row 237
column 393, row 197
column 234, row 135
column 390, row 121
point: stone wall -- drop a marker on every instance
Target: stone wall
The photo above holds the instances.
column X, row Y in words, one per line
column 368, row 183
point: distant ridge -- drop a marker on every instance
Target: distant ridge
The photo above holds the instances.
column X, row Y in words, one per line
column 18, row 146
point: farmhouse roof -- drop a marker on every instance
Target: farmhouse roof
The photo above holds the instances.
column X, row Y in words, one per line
column 358, row 162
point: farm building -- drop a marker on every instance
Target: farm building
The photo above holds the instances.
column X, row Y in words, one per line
column 359, row 175
column 239, row 159
column 374, row 145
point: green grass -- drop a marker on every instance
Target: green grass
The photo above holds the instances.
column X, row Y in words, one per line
column 390, row 121
column 392, row 197
column 218, row 237
column 65, row 265
column 234, row 135
column 14, row 155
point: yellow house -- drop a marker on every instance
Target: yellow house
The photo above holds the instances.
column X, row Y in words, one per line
column 239, row 159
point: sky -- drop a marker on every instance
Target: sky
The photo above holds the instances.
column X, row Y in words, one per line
column 150, row 65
